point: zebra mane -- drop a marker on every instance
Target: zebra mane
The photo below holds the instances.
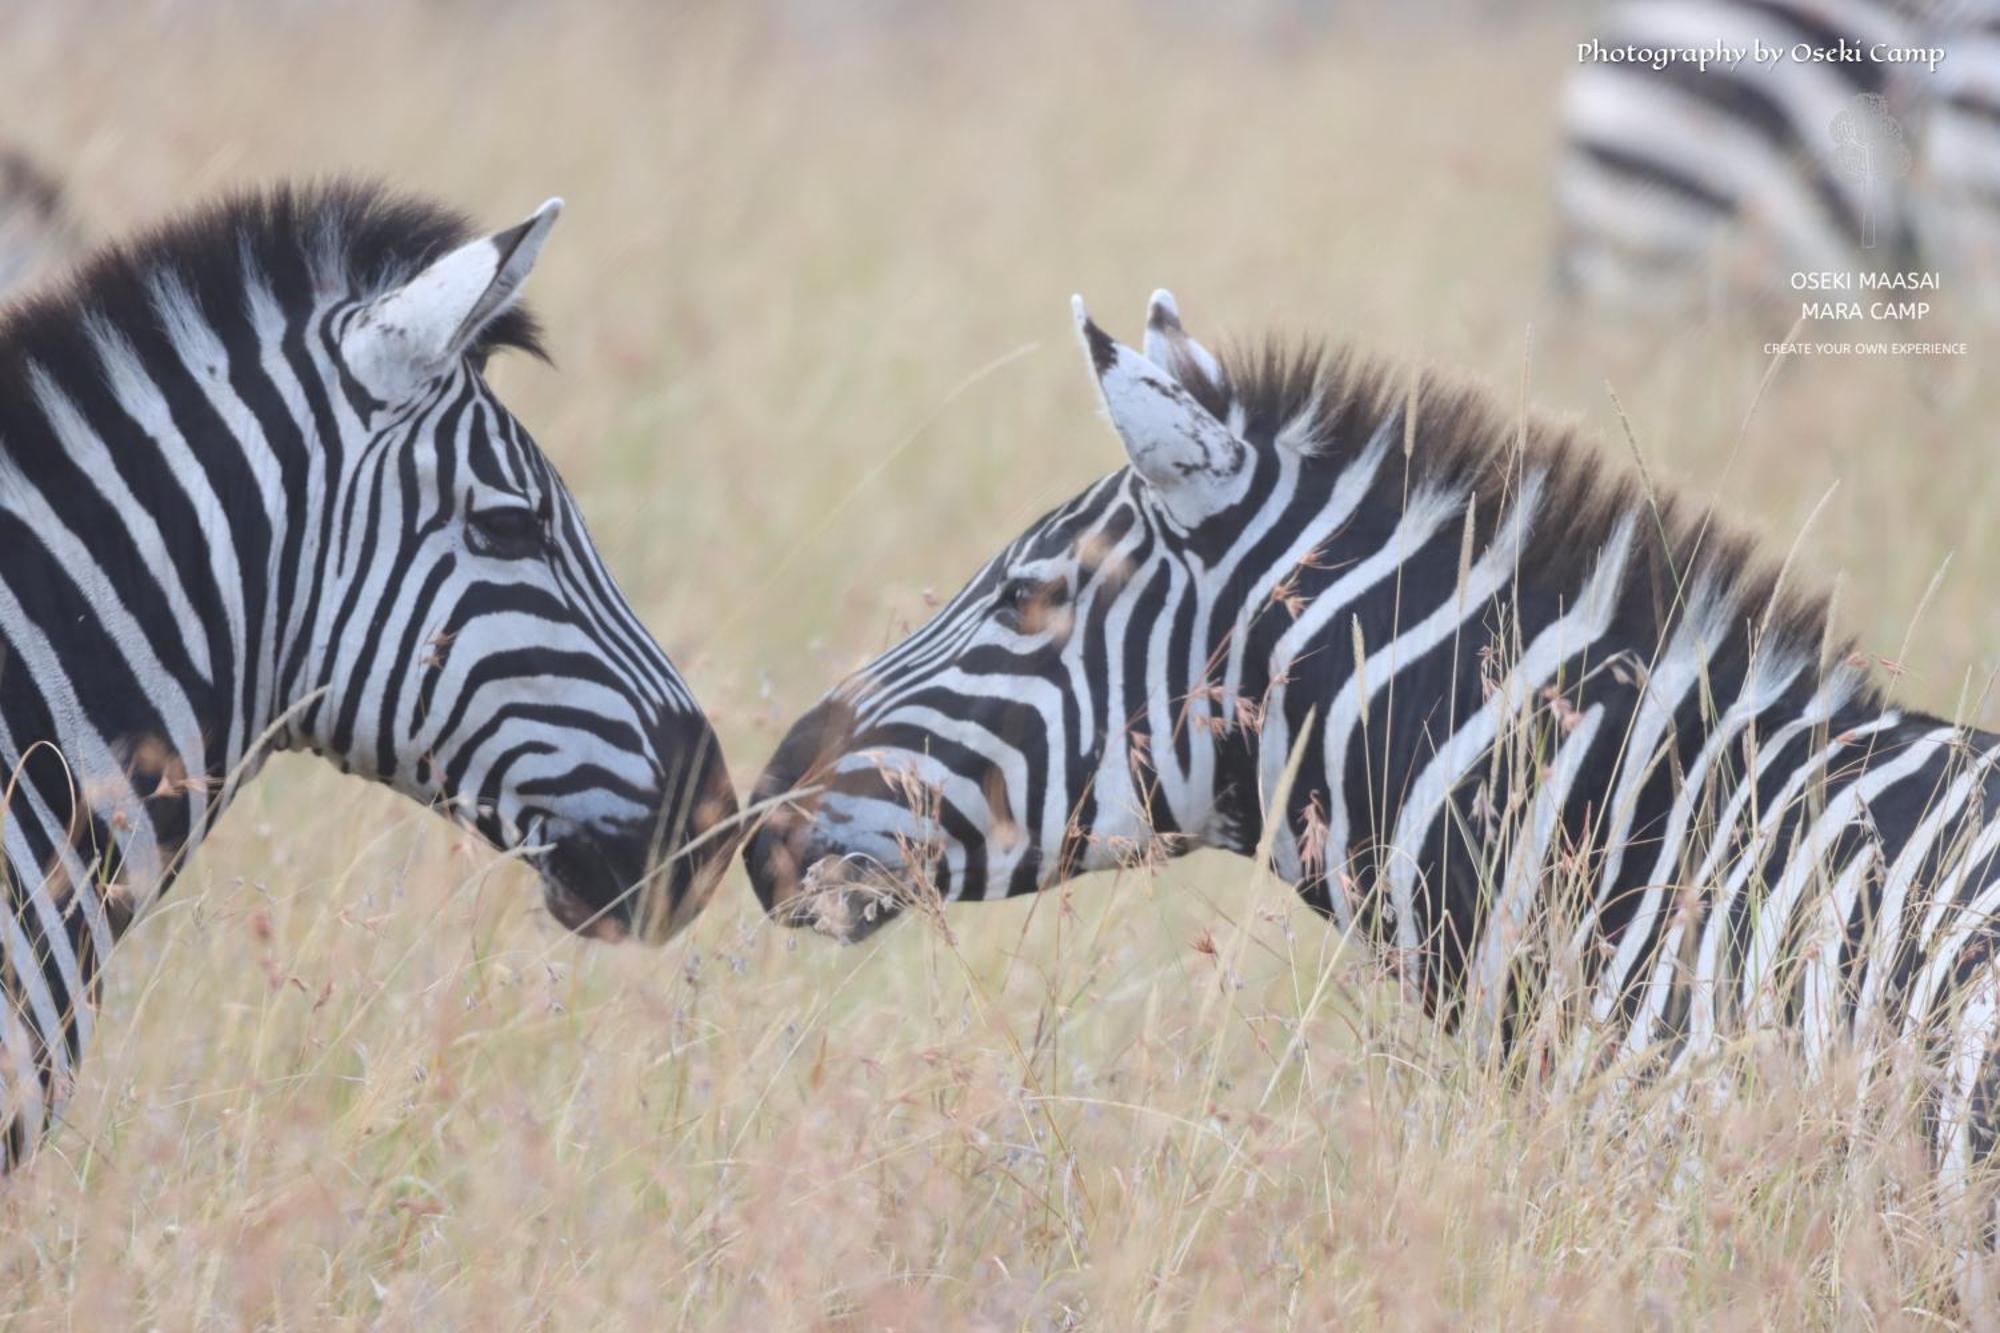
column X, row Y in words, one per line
column 1328, row 401
column 354, row 238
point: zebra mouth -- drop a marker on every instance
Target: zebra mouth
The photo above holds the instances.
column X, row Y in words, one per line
column 612, row 884
column 579, row 917
column 582, row 885
column 848, row 897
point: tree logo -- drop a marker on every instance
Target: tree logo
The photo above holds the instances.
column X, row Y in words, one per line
column 1870, row 150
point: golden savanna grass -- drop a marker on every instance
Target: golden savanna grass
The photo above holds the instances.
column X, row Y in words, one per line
column 815, row 363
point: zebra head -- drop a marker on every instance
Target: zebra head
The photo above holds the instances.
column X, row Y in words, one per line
column 1009, row 743
column 467, row 645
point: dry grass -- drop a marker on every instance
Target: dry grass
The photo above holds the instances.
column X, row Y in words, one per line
column 809, row 309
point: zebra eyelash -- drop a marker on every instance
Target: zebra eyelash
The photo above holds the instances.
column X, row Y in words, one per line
column 507, row 532
column 1016, row 594
column 1024, row 596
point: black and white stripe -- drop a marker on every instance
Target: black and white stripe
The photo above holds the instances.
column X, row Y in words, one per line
column 256, row 493
column 1676, row 180
column 1497, row 694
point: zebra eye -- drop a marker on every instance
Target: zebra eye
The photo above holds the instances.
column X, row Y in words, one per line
column 507, row 531
column 1025, row 600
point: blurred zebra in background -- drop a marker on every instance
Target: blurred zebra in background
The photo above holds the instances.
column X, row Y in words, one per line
column 1957, row 186
column 1510, row 716
column 1678, row 181
column 256, row 494
column 36, row 230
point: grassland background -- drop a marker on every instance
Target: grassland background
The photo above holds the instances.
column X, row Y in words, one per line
column 815, row 363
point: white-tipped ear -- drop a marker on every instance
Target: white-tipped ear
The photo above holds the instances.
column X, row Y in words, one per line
column 1192, row 460
column 1169, row 347
column 405, row 338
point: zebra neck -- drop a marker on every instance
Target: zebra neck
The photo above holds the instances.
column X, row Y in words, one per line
column 1440, row 738
column 1401, row 653
column 149, row 504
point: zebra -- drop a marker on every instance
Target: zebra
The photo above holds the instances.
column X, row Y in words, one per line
column 1458, row 682
column 1677, row 175
column 255, row 495
column 36, row 228
column 1959, row 192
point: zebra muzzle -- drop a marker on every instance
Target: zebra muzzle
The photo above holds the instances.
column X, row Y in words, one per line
column 845, row 898
column 642, row 880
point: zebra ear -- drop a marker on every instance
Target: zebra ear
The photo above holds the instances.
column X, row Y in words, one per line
column 1193, row 461
column 404, row 339
column 1169, row 347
